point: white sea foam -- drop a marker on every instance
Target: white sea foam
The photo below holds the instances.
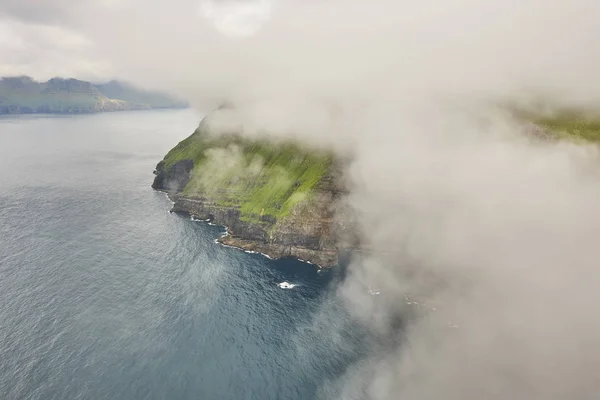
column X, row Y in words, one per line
column 286, row 285
column 226, row 233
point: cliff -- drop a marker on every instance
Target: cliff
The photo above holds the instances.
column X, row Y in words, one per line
column 24, row 95
column 276, row 198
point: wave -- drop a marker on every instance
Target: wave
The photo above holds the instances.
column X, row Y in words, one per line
column 286, row 285
column 226, row 233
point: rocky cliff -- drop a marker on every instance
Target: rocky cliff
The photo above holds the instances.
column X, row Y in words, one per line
column 276, row 198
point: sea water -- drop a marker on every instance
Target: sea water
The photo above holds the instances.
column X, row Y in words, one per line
column 104, row 294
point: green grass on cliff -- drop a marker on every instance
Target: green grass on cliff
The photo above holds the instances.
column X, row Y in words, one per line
column 569, row 124
column 572, row 125
column 264, row 179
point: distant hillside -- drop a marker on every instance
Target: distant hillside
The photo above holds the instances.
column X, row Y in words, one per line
column 24, row 95
column 126, row 92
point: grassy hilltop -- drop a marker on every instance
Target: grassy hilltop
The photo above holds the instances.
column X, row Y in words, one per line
column 264, row 179
column 572, row 125
column 567, row 123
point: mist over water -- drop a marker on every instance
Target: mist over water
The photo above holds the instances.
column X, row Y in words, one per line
column 105, row 295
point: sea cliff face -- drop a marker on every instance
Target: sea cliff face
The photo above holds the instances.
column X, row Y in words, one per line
column 277, row 198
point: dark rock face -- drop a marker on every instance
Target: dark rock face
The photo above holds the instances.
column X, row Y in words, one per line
column 309, row 233
column 174, row 179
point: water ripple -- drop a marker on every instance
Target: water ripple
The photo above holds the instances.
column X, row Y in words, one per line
column 105, row 295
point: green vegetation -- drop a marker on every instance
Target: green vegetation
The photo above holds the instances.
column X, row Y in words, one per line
column 577, row 125
column 264, row 179
column 572, row 125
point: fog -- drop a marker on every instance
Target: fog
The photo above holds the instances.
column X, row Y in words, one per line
column 465, row 213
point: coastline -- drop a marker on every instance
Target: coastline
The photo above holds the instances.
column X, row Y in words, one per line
column 321, row 259
column 87, row 112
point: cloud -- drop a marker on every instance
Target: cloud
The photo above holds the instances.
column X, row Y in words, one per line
column 465, row 213
column 235, row 17
column 44, row 51
column 496, row 233
column 58, row 12
column 325, row 48
column 351, row 46
column 494, row 230
column 48, row 39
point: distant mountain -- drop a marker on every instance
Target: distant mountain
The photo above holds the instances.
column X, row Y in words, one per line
column 22, row 94
column 126, row 92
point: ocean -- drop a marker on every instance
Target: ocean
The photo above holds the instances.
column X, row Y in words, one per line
column 104, row 294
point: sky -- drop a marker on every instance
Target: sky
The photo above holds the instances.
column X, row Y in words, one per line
column 220, row 48
column 40, row 39
column 45, row 39
column 496, row 231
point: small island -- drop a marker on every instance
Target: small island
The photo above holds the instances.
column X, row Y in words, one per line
column 23, row 95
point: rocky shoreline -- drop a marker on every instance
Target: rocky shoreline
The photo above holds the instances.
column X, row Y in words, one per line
column 310, row 233
column 245, row 239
